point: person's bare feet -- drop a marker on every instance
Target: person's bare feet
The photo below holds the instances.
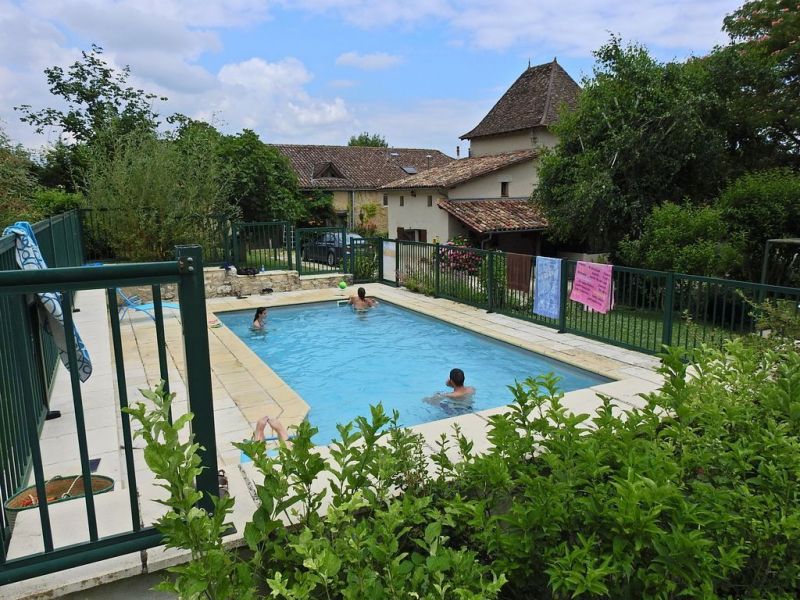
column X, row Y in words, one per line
column 276, row 426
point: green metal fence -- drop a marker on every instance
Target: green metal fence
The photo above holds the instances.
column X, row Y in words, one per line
column 266, row 245
column 25, row 376
column 650, row 308
column 321, row 250
column 27, row 357
column 366, row 259
column 122, row 235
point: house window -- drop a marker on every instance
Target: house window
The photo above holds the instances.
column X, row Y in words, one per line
column 504, row 189
column 430, row 200
column 386, row 199
column 402, row 200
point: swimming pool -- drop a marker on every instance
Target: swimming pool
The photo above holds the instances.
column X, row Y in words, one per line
column 341, row 361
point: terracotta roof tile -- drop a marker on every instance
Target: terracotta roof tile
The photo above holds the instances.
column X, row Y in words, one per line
column 484, row 216
column 360, row 167
column 459, row 171
column 532, row 101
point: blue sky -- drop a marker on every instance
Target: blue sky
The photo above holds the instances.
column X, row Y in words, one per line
column 420, row 72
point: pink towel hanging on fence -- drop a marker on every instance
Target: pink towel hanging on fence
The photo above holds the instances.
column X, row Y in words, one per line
column 592, row 286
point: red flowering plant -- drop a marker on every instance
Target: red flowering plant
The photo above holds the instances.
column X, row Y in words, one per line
column 458, row 256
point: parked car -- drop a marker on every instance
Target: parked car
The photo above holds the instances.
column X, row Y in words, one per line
column 327, row 247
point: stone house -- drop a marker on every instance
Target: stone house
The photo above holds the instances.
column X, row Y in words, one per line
column 485, row 196
column 354, row 175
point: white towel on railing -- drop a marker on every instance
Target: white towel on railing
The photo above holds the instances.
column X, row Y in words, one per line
column 29, row 258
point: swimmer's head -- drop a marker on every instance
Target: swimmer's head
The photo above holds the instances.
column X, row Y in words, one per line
column 457, row 377
column 260, row 311
column 362, row 293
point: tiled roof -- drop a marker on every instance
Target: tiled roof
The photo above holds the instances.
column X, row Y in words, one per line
column 361, row 167
column 485, row 216
column 459, row 171
column 532, row 101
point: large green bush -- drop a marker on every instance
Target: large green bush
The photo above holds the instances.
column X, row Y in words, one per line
column 693, row 496
column 154, row 193
column 760, row 206
column 684, row 239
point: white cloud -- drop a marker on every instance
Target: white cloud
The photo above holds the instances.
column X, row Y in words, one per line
column 575, row 28
column 368, row 62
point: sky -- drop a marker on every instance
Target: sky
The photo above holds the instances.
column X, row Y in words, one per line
column 419, row 72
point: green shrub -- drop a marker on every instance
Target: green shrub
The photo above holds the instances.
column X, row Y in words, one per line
column 51, row 202
column 760, row 206
column 693, row 496
column 684, row 239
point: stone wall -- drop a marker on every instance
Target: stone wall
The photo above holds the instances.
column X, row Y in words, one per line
column 220, row 284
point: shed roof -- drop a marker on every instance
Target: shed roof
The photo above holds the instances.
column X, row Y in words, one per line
column 492, row 215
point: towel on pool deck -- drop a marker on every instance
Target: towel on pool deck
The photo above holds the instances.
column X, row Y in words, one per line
column 592, row 286
column 547, row 288
column 518, row 271
column 30, row 258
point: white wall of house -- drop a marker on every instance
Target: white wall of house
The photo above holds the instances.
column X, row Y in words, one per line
column 526, row 139
column 521, row 179
column 416, row 214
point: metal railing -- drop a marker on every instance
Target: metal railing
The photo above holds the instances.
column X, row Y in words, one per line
column 23, row 395
column 27, row 358
column 266, row 246
column 650, row 308
column 122, row 235
column 321, row 250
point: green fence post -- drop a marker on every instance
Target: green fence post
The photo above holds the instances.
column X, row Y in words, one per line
column 192, row 301
column 490, row 283
column 287, row 242
column 235, row 244
column 298, row 242
column 437, row 268
column 79, row 212
column 562, row 313
column 397, row 246
column 379, row 254
column 669, row 301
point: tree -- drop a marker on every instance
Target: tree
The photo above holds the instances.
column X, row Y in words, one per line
column 638, row 137
column 17, row 184
column 373, row 140
column 260, row 179
column 767, row 32
column 98, row 98
column 684, row 239
column 160, row 192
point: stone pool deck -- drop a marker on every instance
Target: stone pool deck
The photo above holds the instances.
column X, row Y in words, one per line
column 245, row 389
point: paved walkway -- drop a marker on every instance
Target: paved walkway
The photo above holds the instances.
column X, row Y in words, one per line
column 245, row 389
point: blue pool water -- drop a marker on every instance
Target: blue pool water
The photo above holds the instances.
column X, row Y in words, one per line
column 341, row 361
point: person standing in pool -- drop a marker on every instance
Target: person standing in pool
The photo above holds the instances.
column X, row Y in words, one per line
column 361, row 302
column 459, row 400
column 260, row 318
column 456, row 381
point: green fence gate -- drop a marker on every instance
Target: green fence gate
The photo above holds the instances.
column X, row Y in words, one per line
column 26, row 370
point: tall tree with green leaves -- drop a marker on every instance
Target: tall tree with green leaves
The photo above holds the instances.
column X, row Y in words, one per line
column 373, row 140
column 98, row 97
column 638, row 137
column 260, row 180
column 17, row 183
column 766, row 40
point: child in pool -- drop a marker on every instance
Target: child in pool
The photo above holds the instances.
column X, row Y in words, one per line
column 260, row 318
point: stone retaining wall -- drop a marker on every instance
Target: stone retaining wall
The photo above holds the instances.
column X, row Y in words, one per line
column 219, row 284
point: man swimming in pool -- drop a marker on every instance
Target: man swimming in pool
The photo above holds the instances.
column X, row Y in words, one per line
column 459, row 400
column 361, row 302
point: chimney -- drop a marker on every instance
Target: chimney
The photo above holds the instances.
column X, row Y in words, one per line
column 458, row 151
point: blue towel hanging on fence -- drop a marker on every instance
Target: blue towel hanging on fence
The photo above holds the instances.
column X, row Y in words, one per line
column 547, row 287
column 30, row 258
